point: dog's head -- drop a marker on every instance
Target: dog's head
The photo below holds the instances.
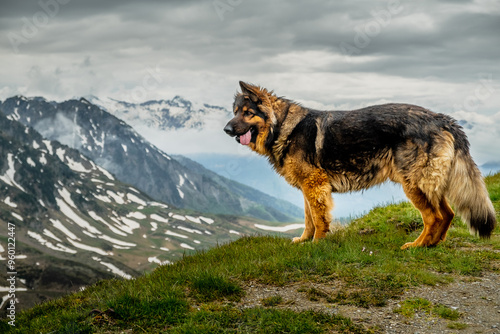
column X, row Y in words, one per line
column 253, row 117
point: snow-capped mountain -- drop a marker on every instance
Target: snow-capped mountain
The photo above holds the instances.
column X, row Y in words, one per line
column 76, row 223
column 163, row 114
column 117, row 147
column 176, row 126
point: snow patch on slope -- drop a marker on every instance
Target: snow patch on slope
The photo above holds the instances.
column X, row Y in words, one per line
column 10, row 173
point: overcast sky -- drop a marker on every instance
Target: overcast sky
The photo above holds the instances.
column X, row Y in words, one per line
column 443, row 55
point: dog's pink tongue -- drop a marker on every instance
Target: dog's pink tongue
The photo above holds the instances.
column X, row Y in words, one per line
column 245, row 139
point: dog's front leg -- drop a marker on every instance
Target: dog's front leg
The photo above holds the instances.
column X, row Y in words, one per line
column 318, row 205
column 309, row 229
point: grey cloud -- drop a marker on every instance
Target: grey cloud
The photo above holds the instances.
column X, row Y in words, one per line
column 189, row 37
column 57, row 129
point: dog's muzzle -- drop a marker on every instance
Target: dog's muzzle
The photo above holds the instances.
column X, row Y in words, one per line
column 229, row 130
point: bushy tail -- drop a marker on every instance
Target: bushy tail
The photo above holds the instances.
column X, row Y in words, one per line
column 468, row 193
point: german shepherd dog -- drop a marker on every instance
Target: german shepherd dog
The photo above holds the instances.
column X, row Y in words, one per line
column 320, row 152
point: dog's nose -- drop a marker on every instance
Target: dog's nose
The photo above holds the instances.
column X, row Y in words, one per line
column 229, row 130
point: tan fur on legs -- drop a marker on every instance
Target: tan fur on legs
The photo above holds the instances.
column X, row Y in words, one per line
column 309, row 229
column 317, row 190
column 433, row 219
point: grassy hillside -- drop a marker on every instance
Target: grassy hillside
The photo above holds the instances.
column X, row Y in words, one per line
column 203, row 293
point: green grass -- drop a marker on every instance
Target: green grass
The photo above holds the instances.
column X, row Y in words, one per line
column 200, row 293
column 410, row 306
column 209, row 287
column 446, row 312
column 227, row 319
column 457, row 325
column 272, row 301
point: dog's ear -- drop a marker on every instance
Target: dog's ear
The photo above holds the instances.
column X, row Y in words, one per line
column 252, row 91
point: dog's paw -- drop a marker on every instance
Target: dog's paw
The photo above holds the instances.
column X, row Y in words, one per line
column 408, row 245
column 296, row 240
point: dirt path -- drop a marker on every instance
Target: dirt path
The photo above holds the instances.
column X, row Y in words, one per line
column 477, row 300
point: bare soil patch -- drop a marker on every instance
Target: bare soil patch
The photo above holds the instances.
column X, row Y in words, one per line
column 477, row 300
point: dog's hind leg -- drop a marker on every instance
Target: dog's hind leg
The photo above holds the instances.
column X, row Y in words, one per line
column 309, row 229
column 434, row 222
column 425, row 185
column 317, row 191
column 448, row 214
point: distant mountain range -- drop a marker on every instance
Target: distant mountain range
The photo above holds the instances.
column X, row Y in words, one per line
column 163, row 114
column 490, row 167
column 117, row 147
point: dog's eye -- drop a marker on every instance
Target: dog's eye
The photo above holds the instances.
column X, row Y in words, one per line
column 250, row 112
